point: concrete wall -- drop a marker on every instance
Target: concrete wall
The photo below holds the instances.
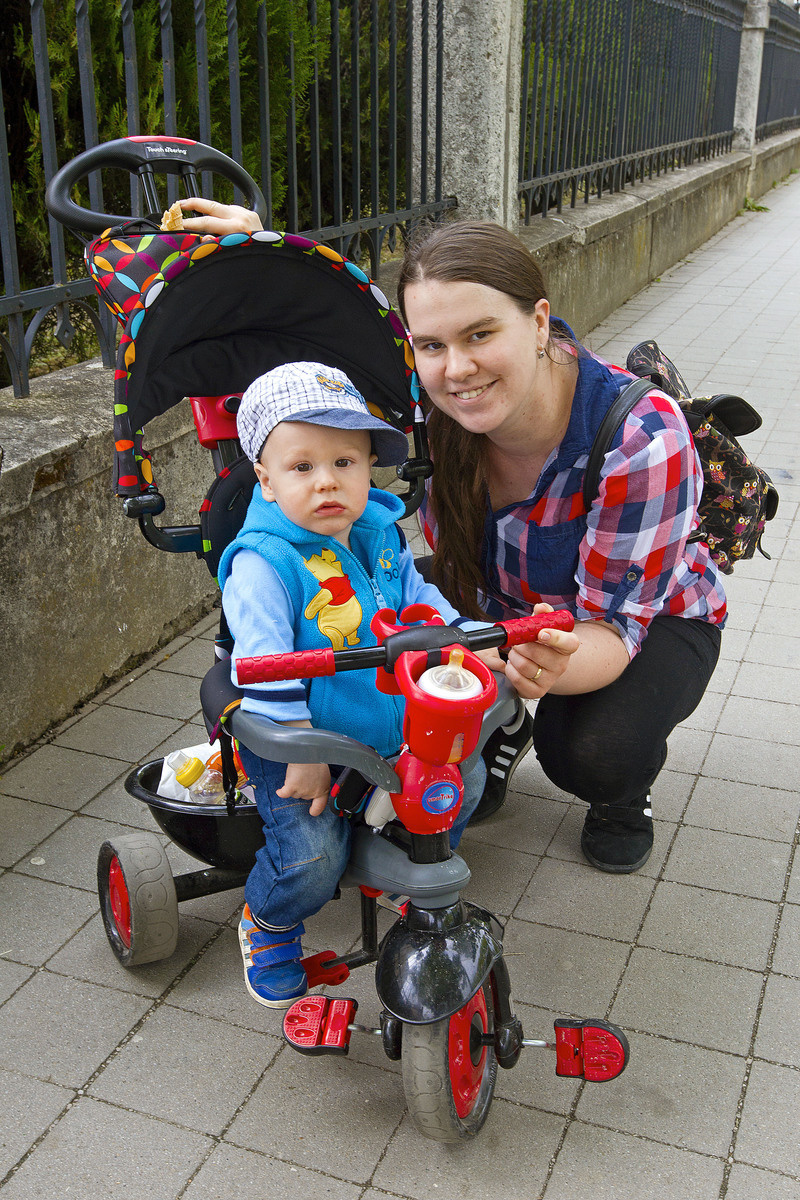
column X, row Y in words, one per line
column 83, row 596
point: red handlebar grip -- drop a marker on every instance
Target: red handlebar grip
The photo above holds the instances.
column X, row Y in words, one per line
column 527, row 629
column 269, row 668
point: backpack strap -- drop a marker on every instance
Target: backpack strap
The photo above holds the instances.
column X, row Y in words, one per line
column 609, row 425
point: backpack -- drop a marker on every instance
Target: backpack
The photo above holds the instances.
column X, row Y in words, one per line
column 738, row 497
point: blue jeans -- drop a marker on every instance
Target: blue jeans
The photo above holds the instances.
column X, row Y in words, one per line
column 303, row 858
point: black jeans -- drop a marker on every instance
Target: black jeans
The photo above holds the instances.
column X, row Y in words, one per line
column 607, row 747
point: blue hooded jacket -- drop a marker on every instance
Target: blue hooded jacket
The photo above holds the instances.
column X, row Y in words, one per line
column 334, row 593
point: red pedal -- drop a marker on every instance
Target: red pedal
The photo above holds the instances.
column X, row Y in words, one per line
column 592, row 1050
column 320, row 1025
column 317, row 972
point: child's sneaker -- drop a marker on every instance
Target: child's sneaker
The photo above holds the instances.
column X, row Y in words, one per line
column 273, row 973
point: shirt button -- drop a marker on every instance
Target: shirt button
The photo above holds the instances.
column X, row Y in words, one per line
column 631, row 577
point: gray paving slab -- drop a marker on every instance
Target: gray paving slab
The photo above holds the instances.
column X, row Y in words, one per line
column 604, row 1165
column 718, row 926
column 573, row 973
column 510, row 1160
column 767, row 1136
column 751, row 1183
column 12, row 977
column 229, row 1171
column 300, row 1096
column 23, row 824
column 97, row 1150
column 59, row 776
column 85, row 1024
column 166, row 1081
column 55, row 911
column 499, row 877
column 787, row 951
column 746, row 760
column 706, row 1004
column 778, row 1037
column 764, row 812
column 570, row 896
column 728, row 862
column 88, row 956
column 117, row 734
column 206, row 1069
column 664, row 1091
column 163, row 693
column 29, row 1107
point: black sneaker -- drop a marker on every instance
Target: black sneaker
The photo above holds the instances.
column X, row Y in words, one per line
column 502, row 754
column 618, row 839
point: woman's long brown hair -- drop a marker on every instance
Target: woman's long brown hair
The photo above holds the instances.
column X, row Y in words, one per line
column 467, row 252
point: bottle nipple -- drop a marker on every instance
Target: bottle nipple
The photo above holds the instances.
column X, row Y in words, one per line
column 451, row 680
column 452, row 673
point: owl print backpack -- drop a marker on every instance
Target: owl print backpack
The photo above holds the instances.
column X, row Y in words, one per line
column 738, row 497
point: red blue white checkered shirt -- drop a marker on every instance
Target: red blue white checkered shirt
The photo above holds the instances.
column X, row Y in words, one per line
column 629, row 559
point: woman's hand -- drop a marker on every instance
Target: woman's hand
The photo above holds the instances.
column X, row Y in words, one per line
column 535, row 668
column 307, row 781
column 219, row 219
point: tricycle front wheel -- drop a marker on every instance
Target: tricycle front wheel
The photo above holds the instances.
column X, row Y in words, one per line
column 138, row 901
column 449, row 1071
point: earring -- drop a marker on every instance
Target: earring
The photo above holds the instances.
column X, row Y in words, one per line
column 540, row 352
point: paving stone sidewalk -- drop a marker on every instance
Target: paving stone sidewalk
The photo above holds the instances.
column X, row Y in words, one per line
column 167, row 1081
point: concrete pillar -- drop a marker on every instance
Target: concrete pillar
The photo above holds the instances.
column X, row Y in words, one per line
column 755, row 26
column 482, row 67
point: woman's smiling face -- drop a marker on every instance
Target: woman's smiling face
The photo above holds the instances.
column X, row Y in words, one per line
column 476, row 353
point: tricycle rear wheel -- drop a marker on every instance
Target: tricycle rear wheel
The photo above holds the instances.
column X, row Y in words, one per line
column 449, row 1071
column 138, row 901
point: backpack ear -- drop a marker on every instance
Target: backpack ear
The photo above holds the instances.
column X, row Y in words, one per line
column 736, row 414
column 649, row 361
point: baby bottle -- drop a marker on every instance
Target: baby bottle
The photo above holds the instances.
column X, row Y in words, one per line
column 202, row 780
column 451, row 681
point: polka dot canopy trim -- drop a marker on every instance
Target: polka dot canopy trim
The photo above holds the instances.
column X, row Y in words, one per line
column 131, row 269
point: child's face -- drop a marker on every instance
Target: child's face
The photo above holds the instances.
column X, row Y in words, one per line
column 317, row 475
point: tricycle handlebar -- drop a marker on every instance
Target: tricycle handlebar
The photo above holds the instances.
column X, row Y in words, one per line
column 310, row 664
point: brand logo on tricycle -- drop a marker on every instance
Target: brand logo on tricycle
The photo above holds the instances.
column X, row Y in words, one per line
column 440, row 797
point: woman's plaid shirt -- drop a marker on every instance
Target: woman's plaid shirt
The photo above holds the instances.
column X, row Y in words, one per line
column 629, row 559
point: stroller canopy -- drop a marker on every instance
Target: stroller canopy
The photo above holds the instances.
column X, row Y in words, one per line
column 208, row 317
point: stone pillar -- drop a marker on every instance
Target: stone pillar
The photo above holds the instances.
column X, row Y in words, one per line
column 482, row 67
column 755, row 26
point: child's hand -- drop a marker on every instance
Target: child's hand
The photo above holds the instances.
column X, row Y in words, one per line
column 307, row 781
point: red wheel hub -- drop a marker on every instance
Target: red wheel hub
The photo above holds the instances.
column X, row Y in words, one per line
column 120, row 901
column 467, row 1056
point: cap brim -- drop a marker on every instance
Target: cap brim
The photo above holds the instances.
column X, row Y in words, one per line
column 390, row 445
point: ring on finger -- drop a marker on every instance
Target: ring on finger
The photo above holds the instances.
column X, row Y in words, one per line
column 536, row 676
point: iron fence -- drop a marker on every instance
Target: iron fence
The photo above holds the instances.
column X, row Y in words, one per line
column 779, row 92
column 329, row 113
column 616, row 90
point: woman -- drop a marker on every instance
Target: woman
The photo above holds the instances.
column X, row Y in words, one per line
column 515, row 407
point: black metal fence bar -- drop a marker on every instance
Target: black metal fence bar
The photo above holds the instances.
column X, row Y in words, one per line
column 345, row 110
column 264, row 117
column 779, row 94
column 613, row 90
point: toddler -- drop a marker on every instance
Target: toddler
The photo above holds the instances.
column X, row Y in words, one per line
column 319, row 553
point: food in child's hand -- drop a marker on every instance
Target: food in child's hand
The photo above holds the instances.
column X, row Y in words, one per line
column 173, row 217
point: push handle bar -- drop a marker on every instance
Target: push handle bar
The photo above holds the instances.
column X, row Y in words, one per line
column 144, row 156
column 310, row 664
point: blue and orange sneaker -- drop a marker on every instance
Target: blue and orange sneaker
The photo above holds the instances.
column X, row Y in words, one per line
column 273, row 973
